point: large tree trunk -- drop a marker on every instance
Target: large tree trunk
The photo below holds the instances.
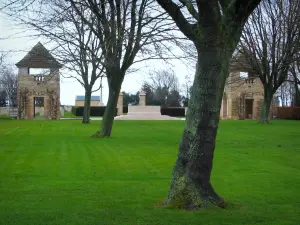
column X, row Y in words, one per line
column 87, row 106
column 110, row 110
column 191, row 188
column 265, row 110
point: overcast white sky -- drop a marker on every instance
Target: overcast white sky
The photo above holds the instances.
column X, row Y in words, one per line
column 15, row 39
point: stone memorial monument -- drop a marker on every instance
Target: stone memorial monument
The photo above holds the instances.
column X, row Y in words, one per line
column 143, row 111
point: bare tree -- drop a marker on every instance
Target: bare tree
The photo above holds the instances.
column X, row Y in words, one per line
column 130, row 31
column 2, row 91
column 295, row 73
column 285, row 93
column 165, row 87
column 270, row 43
column 78, row 48
column 186, row 90
column 8, row 82
column 2, row 56
column 215, row 27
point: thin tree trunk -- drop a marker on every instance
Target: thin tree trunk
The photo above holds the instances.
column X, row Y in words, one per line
column 87, row 106
column 297, row 94
column 265, row 111
column 190, row 187
column 110, row 110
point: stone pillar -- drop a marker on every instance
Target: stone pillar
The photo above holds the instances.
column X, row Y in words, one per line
column 46, row 107
column 57, row 102
column 30, row 107
column 229, row 108
column 255, row 109
column 142, row 101
column 221, row 111
column 259, row 104
column 120, row 104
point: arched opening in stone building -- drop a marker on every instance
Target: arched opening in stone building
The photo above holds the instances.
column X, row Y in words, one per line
column 249, row 108
column 38, row 107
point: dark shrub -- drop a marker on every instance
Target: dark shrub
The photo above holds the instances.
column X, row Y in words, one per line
column 288, row 113
column 172, row 111
column 125, row 109
column 94, row 111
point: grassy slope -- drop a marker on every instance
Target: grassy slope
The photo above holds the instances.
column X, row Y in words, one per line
column 51, row 172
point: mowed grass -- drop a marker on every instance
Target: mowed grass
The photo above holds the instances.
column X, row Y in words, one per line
column 51, row 172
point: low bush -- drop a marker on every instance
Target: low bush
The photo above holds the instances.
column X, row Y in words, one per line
column 125, row 109
column 173, row 111
column 94, row 111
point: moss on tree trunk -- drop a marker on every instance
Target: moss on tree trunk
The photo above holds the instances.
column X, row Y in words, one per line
column 265, row 110
column 191, row 187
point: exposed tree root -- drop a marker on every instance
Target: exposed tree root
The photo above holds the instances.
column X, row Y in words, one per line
column 263, row 122
column 191, row 198
column 99, row 135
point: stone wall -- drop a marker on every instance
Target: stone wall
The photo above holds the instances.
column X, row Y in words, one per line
column 144, row 109
column 4, row 111
column 235, row 85
column 7, row 111
column 47, row 87
column 120, row 104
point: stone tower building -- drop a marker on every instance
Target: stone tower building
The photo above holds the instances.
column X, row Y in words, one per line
column 40, row 90
column 244, row 93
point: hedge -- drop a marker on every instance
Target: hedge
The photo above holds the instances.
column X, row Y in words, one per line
column 288, row 113
column 125, row 109
column 99, row 111
column 172, row 111
column 94, row 111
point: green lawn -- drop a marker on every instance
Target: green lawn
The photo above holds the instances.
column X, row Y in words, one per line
column 51, row 172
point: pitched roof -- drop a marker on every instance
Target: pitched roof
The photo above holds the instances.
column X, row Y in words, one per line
column 240, row 61
column 39, row 57
column 82, row 97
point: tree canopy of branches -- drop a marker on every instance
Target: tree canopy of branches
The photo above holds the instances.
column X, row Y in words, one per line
column 129, row 31
column 270, row 43
column 215, row 27
column 186, row 90
column 295, row 73
column 130, row 99
column 150, row 95
column 163, row 89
